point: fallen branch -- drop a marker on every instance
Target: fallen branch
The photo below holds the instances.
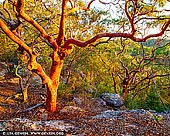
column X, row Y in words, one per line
column 36, row 106
column 31, row 108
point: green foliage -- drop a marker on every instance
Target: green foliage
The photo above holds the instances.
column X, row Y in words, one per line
column 64, row 91
column 101, row 63
column 7, row 49
column 153, row 102
column 148, row 101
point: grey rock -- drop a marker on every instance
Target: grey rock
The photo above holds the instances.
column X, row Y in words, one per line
column 89, row 90
column 63, row 80
column 23, row 71
column 109, row 114
column 78, row 101
column 166, row 111
column 71, row 110
column 3, row 72
column 111, row 99
column 141, row 111
column 152, row 111
column 101, row 102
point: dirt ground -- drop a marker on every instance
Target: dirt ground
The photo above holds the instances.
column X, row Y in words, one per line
column 126, row 124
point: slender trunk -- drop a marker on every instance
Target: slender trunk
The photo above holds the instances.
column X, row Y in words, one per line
column 25, row 94
column 124, row 96
column 125, row 86
column 125, row 92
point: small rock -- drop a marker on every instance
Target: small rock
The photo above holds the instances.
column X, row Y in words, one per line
column 167, row 111
column 111, row 99
column 77, row 101
column 98, row 102
column 63, row 80
column 141, row 111
column 152, row 111
column 71, row 110
column 89, row 90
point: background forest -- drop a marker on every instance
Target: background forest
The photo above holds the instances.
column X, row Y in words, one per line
column 139, row 71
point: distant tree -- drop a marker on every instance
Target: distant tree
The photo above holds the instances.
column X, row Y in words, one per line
column 133, row 19
column 126, row 70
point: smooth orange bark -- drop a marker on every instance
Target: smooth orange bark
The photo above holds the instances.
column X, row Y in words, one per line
column 51, row 96
column 53, row 84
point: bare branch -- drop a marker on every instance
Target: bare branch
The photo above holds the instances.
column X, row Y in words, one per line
column 20, row 78
column 4, row 18
column 138, row 91
column 149, row 77
column 151, row 18
column 89, row 4
column 131, row 19
column 10, row 23
column 71, row 3
column 126, row 69
column 114, row 83
column 123, row 46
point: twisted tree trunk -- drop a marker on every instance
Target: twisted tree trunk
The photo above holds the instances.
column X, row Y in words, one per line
column 52, row 85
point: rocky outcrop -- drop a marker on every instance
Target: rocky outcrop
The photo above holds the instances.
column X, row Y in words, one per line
column 109, row 114
column 28, row 125
column 123, row 122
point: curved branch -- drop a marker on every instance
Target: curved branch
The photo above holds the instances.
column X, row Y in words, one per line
column 32, row 65
column 15, row 38
column 165, row 26
column 88, row 6
column 102, row 2
column 13, row 25
column 113, row 35
column 98, row 36
column 148, row 77
column 20, row 78
column 131, row 19
column 71, row 3
column 151, row 18
column 2, row 15
column 20, row 10
column 5, row 8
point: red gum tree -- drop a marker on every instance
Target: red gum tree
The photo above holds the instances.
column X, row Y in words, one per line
column 61, row 47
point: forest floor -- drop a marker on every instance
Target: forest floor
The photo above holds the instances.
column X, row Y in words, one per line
column 83, row 119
